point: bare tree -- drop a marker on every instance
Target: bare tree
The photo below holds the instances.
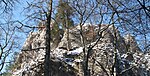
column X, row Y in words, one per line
column 8, row 31
column 48, row 34
column 42, row 14
column 129, row 16
column 7, row 5
column 7, row 43
column 115, row 12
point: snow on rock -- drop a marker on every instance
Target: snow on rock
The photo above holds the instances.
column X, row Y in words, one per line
column 147, row 58
column 124, row 56
column 76, row 51
column 68, row 62
column 78, row 60
column 18, row 72
column 58, row 53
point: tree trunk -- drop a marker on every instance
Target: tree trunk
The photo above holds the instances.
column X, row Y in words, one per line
column 47, row 71
column 68, row 41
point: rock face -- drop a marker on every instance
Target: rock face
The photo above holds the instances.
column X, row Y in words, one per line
column 111, row 54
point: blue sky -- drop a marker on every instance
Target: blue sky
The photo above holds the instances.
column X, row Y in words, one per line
column 17, row 15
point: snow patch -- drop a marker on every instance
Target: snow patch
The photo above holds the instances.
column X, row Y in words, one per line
column 76, row 51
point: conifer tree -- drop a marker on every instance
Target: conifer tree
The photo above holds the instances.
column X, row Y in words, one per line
column 63, row 20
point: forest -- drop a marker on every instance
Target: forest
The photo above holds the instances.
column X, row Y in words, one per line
column 75, row 38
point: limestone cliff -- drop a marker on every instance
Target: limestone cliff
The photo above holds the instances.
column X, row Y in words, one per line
column 112, row 54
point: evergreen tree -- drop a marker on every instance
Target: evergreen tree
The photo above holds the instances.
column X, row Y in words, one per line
column 64, row 13
column 63, row 21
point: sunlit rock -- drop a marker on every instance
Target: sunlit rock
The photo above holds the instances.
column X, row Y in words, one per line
column 109, row 50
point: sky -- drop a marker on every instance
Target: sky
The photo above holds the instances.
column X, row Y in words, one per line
column 17, row 15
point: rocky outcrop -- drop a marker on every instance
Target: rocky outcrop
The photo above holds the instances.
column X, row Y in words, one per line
column 111, row 54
